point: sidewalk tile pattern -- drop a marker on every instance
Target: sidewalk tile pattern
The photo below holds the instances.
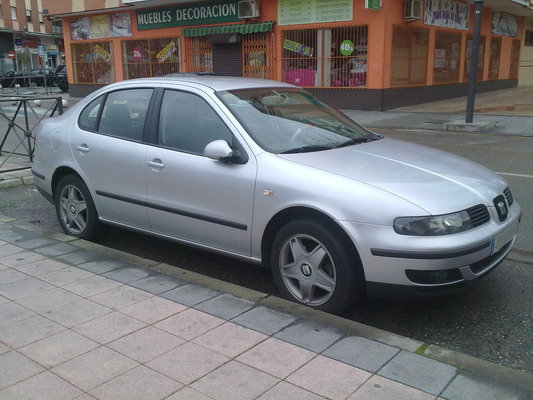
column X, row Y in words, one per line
column 78, row 325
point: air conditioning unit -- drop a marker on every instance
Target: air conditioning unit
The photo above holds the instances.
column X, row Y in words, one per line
column 413, row 10
column 248, row 9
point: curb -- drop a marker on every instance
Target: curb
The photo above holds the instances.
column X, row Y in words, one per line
column 462, row 361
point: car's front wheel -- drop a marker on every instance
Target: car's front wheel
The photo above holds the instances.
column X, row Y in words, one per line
column 75, row 209
column 314, row 264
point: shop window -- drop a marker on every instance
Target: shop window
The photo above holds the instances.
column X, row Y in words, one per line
column 447, row 54
column 258, row 56
column 515, row 59
column 325, row 57
column 150, row 57
column 409, row 56
column 199, row 54
column 468, row 58
column 528, row 41
column 494, row 62
column 93, row 62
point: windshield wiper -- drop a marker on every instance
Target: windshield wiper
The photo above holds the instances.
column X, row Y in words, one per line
column 306, row 149
column 356, row 141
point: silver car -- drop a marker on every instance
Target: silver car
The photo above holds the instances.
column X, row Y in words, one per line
column 265, row 172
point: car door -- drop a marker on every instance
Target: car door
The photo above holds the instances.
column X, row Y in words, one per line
column 190, row 196
column 110, row 152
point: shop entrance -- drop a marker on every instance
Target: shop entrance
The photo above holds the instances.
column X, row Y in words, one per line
column 227, row 59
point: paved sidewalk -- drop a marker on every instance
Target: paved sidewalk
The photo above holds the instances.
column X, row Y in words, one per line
column 81, row 321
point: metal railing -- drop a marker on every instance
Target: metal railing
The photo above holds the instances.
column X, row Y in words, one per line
column 19, row 117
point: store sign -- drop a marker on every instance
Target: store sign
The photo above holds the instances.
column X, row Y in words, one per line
column 504, row 24
column 298, row 48
column 446, row 14
column 292, row 12
column 189, row 14
column 100, row 26
column 347, row 47
column 166, row 52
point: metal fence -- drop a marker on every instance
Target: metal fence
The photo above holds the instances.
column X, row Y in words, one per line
column 19, row 118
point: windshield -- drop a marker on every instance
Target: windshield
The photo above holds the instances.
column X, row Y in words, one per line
column 286, row 120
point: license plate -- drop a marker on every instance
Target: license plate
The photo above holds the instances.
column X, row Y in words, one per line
column 503, row 238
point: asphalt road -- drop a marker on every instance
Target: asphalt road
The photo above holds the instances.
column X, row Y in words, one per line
column 491, row 320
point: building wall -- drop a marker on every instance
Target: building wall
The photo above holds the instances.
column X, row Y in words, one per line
column 378, row 92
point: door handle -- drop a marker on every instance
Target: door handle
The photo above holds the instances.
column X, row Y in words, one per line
column 156, row 163
column 83, row 148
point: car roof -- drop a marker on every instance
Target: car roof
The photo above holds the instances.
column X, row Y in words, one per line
column 215, row 82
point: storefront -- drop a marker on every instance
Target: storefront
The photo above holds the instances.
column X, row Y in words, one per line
column 361, row 54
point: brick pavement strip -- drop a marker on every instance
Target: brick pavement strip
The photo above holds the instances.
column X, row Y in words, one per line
column 76, row 322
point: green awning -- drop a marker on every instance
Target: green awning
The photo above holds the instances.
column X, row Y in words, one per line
column 244, row 29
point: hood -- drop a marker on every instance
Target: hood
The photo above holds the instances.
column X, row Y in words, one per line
column 434, row 180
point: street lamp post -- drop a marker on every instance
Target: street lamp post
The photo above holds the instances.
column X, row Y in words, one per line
column 473, row 62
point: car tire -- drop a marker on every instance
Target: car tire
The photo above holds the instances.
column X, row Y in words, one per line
column 313, row 263
column 75, row 209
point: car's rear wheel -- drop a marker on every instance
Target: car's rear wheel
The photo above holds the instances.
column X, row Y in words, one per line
column 75, row 209
column 314, row 264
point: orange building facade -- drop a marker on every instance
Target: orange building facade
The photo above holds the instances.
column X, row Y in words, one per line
column 355, row 54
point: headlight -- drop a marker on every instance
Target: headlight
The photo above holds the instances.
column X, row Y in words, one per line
column 433, row 225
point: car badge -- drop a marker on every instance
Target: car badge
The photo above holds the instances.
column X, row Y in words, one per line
column 502, row 208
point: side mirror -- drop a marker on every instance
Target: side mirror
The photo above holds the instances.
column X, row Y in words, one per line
column 220, row 150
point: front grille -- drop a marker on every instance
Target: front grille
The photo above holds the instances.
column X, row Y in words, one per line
column 479, row 215
column 508, row 196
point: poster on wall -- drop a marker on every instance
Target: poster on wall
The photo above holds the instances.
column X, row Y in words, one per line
column 504, row 24
column 100, row 26
column 446, row 14
column 120, row 25
column 79, row 28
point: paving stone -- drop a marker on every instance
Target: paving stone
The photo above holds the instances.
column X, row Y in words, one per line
column 378, row 387
column 310, row 335
column 44, row 386
column 21, row 258
column 57, row 249
column 7, row 249
column 28, row 330
column 188, row 394
column 468, row 386
column 42, row 302
column 153, row 309
column 418, row 371
column 189, row 324
column 235, row 381
column 14, row 367
column 158, row 283
column 41, row 267
column 265, row 320
column 35, row 242
column 276, row 357
column 91, row 286
column 121, row 296
column 77, row 313
column 58, row 348
column 190, row 295
column 10, row 275
column 316, row 377
column 109, row 327
column 78, row 257
column 94, row 368
column 128, row 274
column 65, row 276
column 225, row 306
column 230, row 339
column 361, row 353
column 23, row 288
column 284, row 390
column 140, row 383
column 104, row 265
column 146, row 344
column 187, row 363
column 11, row 313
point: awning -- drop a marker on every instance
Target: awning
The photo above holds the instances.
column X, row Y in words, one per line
column 244, row 29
